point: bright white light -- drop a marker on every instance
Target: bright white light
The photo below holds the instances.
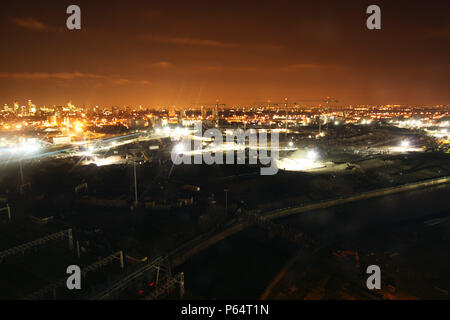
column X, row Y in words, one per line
column 103, row 161
column 312, row 155
column 179, row 148
column 405, row 144
column 300, row 161
column 291, row 144
column 26, row 147
column 298, row 164
column 33, row 148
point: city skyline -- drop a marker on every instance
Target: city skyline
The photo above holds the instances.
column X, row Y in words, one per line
column 179, row 54
column 210, row 152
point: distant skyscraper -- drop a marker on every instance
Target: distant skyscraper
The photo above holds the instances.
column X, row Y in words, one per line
column 203, row 112
column 115, row 110
column 29, row 107
column 172, row 111
column 70, row 106
column 216, row 111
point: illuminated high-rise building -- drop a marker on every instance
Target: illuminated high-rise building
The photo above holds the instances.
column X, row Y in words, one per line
column 172, row 112
column 29, row 106
column 70, row 106
column 216, row 111
column 203, row 112
column 115, row 110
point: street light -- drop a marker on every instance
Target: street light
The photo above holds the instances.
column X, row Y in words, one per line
column 226, row 199
column 405, row 143
column 135, row 184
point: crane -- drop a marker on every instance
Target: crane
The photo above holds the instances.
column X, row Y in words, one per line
column 328, row 109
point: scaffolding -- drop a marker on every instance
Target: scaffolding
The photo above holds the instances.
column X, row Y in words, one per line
column 91, row 268
column 38, row 242
column 8, row 210
column 158, row 265
column 162, row 290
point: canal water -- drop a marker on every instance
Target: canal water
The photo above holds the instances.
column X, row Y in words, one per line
column 243, row 265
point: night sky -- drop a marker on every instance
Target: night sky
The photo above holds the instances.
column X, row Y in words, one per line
column 180, row 53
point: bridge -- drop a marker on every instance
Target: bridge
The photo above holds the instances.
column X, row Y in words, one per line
column 158, row 265
column 52, row 288
column 38, row 242
column 237, row 226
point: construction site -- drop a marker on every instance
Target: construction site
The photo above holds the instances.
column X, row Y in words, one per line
column 200, row 152
column 141, row 228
